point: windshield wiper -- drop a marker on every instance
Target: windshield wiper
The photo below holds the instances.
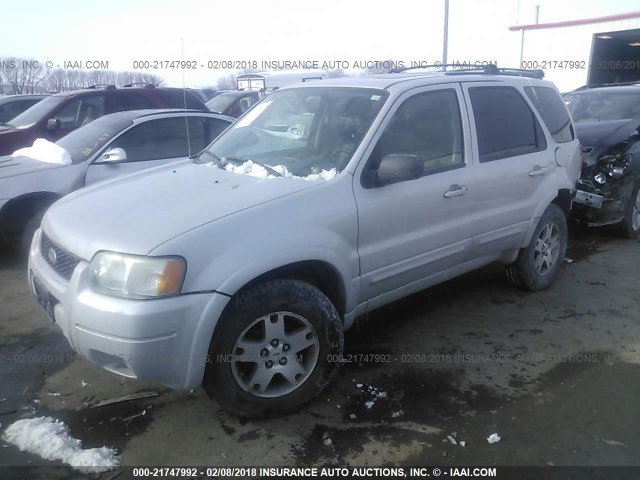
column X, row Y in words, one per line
column 195, row 158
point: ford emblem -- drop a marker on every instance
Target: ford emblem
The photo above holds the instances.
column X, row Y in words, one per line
column 53, row 257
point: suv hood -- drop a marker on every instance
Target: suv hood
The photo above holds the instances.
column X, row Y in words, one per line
column 138, row 212
column 11, row 167
column 602, row 135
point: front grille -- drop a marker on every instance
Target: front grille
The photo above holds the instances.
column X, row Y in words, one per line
column 59, row 259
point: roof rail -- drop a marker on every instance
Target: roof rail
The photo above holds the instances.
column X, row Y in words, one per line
column 140, row 84
column 107, row 86
column 490, row 69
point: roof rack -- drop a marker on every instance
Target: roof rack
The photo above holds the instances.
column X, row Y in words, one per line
column 140, row 84
column 490, row 69
column 107, row 86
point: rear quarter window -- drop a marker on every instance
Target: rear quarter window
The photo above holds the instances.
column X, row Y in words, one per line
column 553, row 112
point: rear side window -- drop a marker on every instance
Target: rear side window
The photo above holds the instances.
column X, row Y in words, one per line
column 121, row 101
column 179, row 98
column 505, row 124
column 553, row 112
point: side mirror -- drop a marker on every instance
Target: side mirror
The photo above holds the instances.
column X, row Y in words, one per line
column 53, row 124
column 113, row 155
column 399, row 167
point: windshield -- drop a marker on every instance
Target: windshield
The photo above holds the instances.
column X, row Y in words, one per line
column 301, row 131
column 85, row 141
column 602, row 106
column 220, row 103
column 36, row 113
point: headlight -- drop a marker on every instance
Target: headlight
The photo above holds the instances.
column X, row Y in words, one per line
column 137, row 276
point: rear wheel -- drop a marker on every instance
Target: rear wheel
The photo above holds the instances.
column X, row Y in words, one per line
column 538, row 264
column 275, row 349
column 629, row 227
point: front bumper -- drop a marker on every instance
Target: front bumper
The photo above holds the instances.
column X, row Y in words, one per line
column 588, row 199
column 156, row 340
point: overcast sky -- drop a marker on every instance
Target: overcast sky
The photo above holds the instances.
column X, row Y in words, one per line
column 123, row 31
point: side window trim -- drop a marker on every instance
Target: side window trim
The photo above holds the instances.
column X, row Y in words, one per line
column 468, row 154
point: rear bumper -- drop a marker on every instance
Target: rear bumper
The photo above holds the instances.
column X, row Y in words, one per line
column 154, row 340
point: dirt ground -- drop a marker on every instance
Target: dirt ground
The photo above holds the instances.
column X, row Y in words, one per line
column 556, row 374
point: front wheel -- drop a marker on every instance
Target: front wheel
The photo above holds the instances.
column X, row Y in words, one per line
column 538, row 264
column 275, row 349
column 629, row 227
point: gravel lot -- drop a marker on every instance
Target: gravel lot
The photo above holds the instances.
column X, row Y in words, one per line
column 556, row 374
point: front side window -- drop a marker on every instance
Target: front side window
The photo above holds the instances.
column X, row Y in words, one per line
column 302, row 130
column 553, row 112
column 156, row 140
column 428, row 126
column 81, row 111
column 505, row 125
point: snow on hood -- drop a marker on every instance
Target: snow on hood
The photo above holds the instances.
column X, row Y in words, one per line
column 45, row 151
column 50, row 439
column 255, row 170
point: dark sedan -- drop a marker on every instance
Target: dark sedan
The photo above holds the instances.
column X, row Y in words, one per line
column 607, row 122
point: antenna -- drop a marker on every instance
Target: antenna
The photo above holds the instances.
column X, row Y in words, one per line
column 184, row 98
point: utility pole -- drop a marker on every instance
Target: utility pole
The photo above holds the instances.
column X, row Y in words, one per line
column 446, row 34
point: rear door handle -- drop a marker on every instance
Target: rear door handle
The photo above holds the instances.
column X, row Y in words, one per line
column 455, row 191
column 538, row 170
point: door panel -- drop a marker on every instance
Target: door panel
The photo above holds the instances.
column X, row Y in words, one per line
column 414, row 229
column 515, row 168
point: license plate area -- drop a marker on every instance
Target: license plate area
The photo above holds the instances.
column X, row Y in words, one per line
column 45, row 299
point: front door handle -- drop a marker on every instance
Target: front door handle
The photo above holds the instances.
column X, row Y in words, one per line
column 455, row 191
column 538, row 170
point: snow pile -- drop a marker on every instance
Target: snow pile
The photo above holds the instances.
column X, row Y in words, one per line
column 256, row 170
column 45, row 151
column 50, row 439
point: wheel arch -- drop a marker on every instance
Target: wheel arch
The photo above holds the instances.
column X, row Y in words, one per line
column 17, row 212
column 562, row 199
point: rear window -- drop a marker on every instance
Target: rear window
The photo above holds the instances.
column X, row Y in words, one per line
column 553, row 112
column 505, row 124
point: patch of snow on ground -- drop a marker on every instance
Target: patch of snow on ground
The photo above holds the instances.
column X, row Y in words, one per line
column 51, row 439
column 45, row 151
column 493, row 438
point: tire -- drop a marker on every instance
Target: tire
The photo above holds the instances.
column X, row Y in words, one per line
column 630, row 226
column 538, row 264
column 270, row 321
column 27, row 233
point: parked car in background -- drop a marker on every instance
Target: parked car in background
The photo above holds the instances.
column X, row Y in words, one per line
column 607, row 122
column 59, row 114
column 110, row 146
column 241, row 268
column 13, row 105
column 233, row 103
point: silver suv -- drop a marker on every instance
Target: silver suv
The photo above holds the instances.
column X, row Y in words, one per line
column 239, row 269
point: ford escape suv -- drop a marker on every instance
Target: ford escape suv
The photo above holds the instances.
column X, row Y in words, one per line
column 240, row 268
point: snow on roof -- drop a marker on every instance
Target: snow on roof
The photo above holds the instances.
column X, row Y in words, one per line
column 50, row 439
